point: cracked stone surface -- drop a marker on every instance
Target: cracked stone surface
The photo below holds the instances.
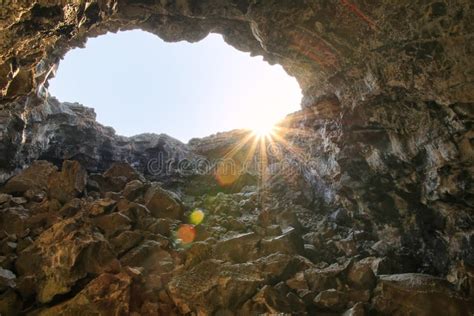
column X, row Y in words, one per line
column 373, row 213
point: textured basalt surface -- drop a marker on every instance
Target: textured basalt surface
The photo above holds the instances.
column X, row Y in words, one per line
column 378, row 220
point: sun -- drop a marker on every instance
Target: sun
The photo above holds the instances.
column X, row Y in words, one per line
column 263, row 129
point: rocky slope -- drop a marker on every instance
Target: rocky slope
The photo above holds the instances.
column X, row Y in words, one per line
column 57, row 131
column 375, row 174
column 73, row 244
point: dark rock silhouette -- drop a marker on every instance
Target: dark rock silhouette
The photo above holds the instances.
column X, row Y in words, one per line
column 364, row 208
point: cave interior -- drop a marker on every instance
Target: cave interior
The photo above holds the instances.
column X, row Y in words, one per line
column 365, row 207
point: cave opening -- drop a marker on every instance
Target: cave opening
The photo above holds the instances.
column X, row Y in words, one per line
column 137, row 83
column 361, row 204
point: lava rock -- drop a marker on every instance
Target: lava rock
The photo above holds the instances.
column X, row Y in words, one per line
column 163, row 203
column 126, row 241
column 356, row 310
column 81, row 251
column 5, row 198
column 425, row 294
column 331, row 300
column 327, row 278
column 134, row 189
column 71, row 208
column 149, row 255
column 112, row 224
column 101, row 206
column 361, row 276
column 197, row 252
column 340, row 217
column 34, row 177
column 7, row 279
column 14, row 220
column 69, row 183
column 269, row 301
column 117, row 176
column 108, row 294
column 289, row 243
column 10, row 303
column 212, row 285
column 239, row 248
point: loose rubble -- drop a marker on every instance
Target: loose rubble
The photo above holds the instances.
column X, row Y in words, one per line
column 80, row 249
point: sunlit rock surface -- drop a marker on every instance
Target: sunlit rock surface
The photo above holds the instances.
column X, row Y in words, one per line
column 366, row 206
column 96, row 251
column 56, row 131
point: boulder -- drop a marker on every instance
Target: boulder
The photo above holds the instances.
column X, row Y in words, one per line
column 69, row 183
column 212, row 285
column 113, row 223
column 340, row 217
column 17, row 201
column 7, row 279
column 8, row 247
column 65, row 253
column 5, row 198
column 138, row 213
column 126, row 241
column 381, row 265
column 289, row 243
column 24, row 243
column 134, row 189
column 269, row 301
column 38, row 223
column 35, row 195
column 14, row 220
column 108, row 294
column 163, row 203
column 331, row 299
column 101, row 206
column 361, row 276
column 160, row 226
column 327, row 278
column 116, row 177
column 6, row 262
column 418, row 294
column 238, row 249
column 34, row 177
column 122, row 170
column 197, row 252
column 298, row 282
column 356, row 310
column 277, row 266
column 149, row 255
column 71, row 208
column 347, row 245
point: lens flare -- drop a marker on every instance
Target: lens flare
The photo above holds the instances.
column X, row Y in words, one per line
column 196, row 217
column 227, row 172
column 263, row 130
column 186, row 234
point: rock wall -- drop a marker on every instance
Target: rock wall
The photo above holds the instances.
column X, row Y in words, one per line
column 403, row 164
column 384, row 135
column 351, row 48
column 57, row 131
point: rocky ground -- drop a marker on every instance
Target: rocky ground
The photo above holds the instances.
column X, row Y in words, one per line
column 370, row 212
column 74, row 243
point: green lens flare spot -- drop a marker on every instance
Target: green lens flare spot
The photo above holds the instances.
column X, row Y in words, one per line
column 196, row 217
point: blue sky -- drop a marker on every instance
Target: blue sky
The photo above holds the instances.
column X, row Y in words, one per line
column 138, row 83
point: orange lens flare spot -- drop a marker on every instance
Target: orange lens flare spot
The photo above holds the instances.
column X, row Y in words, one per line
column 226, row 175
column 186, row 233
column 196, row 217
